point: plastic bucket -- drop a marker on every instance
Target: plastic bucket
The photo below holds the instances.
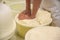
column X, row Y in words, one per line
column 5, row 35
column 43, row 33
column 22, row 29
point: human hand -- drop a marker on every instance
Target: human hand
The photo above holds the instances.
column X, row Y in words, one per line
column 24, row 15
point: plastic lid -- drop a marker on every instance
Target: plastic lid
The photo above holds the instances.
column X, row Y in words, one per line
column 43, row 33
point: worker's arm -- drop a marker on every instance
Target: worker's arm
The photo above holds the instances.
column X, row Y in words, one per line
column 27, row 12
column 28, row 7
column 36, row 5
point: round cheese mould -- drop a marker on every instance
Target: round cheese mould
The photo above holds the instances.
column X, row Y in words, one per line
column 43, row 33
column 5, row 35
column 42, row 18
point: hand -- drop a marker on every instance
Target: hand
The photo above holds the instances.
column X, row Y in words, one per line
column 24, row 15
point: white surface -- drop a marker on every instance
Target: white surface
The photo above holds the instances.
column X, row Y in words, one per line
column 43, row 33
column 16, row 37
column 5, row 15
column 7, row 31
column 7, row 25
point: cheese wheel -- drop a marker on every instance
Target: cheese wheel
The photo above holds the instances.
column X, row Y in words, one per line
column 43, row 33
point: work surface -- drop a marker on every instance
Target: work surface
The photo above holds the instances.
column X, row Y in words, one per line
column 16, row 37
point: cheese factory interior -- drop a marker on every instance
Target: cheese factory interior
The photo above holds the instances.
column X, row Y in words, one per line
column 29, row 19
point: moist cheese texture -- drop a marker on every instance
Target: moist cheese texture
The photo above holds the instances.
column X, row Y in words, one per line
column 43, row 33
column 42, row 18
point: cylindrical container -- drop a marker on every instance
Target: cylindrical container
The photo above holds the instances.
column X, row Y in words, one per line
column 42, row 18
column 5, row 35
column 43, row 33
column 7, row 22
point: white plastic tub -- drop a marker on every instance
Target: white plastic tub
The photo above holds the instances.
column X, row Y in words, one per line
column 5, row 35
column 43, row 33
